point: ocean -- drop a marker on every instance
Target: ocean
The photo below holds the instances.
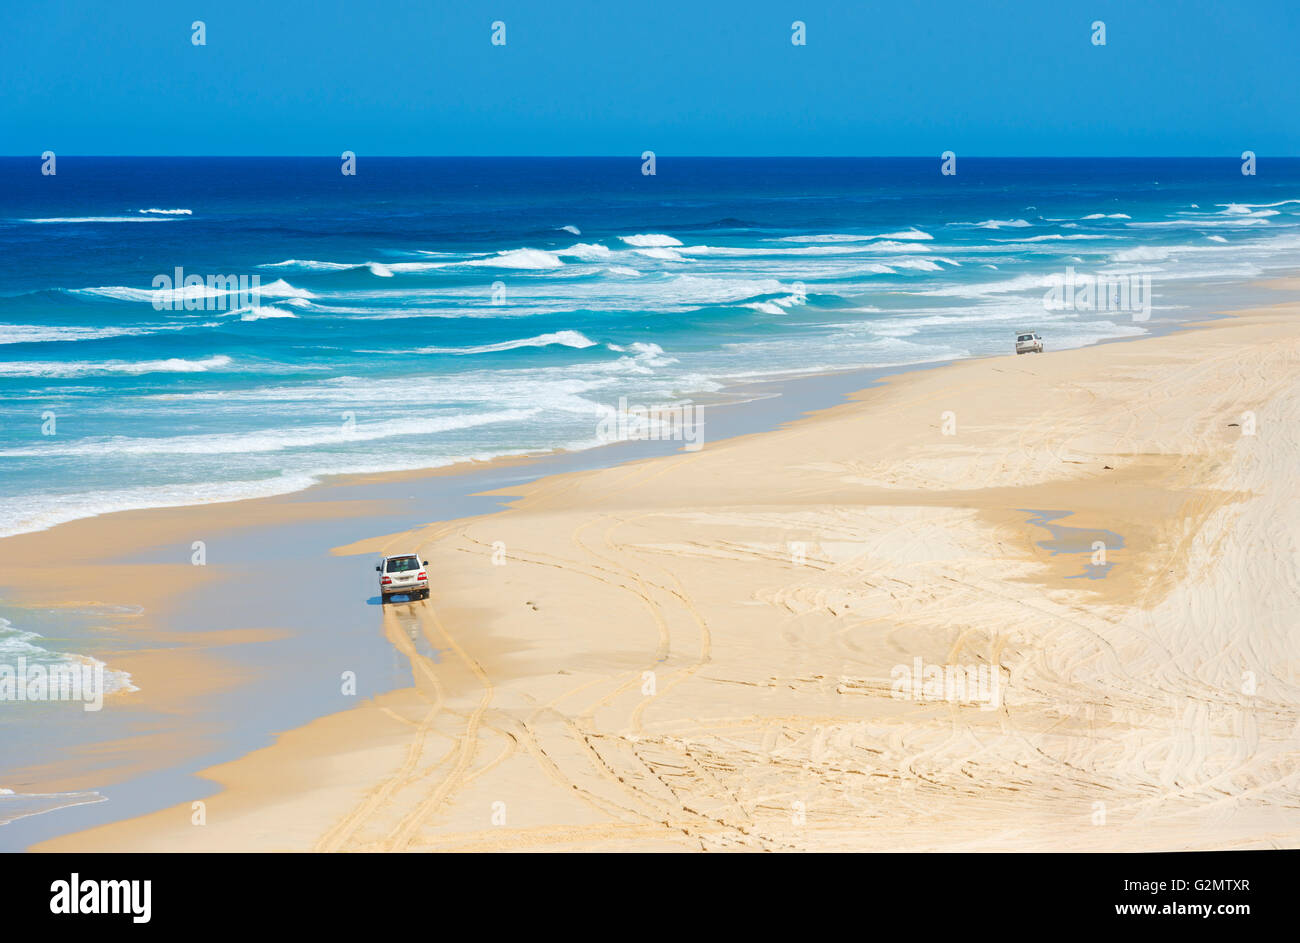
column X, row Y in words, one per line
column 426, row 311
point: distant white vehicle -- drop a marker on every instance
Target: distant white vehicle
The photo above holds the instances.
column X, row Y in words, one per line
column 403, row 575
column 1029, row 343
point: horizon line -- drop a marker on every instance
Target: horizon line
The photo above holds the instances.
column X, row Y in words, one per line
column 658, row 156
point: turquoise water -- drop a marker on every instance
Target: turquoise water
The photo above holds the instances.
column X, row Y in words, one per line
column 427, row 311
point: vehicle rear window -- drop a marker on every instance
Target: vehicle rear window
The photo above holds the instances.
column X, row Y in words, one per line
column 403, row 564
column 1025, row 337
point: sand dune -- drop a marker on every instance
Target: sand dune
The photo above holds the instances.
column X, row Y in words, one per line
column 703, row 652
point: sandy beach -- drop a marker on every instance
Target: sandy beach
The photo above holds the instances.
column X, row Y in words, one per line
column 733, row 649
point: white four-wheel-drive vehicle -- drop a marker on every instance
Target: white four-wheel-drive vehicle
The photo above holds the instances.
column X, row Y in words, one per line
column 1029, row 343
column 403, row 574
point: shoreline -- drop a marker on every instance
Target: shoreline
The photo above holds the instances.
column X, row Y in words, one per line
column 335, row 506
column 747, row 389
column 201, row 667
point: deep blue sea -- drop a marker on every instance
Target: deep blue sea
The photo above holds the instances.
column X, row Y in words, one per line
column 426, row 311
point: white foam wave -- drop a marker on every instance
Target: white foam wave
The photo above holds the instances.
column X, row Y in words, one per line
column 15, row 806
column 178, row 296
column 1202, row 221
column 404, row 267
column 644, row 357
column 18, row 643
column 257, row 313
column 100, row 219
column 587, row 252
column 111, row 367
column 310, row 265
column 761, row 251
column 573, row 339
column 976, row 290
column 274, row 440
column 1258, row 206
column 922, row 265
column 381, row 269
column 39, row 333
column 666, row 255
column 705, row 290
column 650, row 240
column 890, row 246
column 912, row 233
column 520, row 259
column 1053, row 237
column 282, row 289
column 168, row 212
column 776, row 305
column 1141, row 254
column 29, row 515
column 1001, row 223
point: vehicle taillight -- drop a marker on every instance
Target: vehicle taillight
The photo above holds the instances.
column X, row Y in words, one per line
column 421, row 576
column 385, row 581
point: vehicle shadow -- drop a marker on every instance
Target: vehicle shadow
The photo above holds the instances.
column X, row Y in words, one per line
column 404, row 597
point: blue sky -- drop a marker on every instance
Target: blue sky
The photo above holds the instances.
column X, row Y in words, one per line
column 979, row 77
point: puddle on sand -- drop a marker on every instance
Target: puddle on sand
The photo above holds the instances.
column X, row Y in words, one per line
column 1075, row 540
